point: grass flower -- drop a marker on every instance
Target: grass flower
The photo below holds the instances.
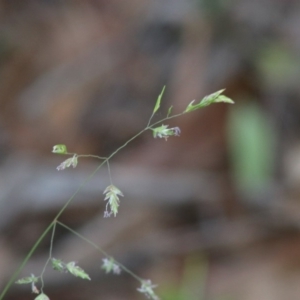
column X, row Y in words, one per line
column 164, row 132
column 68, row 163
column 109, row 266
column 112, row 195
column 147, row 289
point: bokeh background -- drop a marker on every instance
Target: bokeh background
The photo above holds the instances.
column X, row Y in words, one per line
column 212, row 214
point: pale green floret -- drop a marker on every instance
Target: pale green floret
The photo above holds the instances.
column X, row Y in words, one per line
column 112, row 195
column 73, row 161
column 60, row 149
column 110, row 266
column 164, row 132
column 147, row 289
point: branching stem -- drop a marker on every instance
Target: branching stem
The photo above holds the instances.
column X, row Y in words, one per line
column 55, row 221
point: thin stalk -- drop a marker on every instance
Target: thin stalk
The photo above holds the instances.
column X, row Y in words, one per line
column 49, row 258
column 17, row 272
column 84, row 155
column 90, row 155
column 101, row 251
column 109, row 172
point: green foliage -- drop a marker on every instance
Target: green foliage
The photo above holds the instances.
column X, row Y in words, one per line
column 207, row 100
column 251, row 143
column 279, row 66
column 193, row 281
column 112, row 194
column 30, row 280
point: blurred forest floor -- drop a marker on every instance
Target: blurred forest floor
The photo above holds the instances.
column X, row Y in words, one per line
column 212, row 214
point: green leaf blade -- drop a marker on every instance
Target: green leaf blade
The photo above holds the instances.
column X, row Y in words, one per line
column 191, row 107
column 169, row 111
column 216, row 97
column 225, row 99
column 212, row 98
column 157, row 104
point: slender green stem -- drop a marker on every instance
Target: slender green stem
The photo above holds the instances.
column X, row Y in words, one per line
column 84, row 155
column 101, row 251
column 49, row 258
column 17, row 272
column 165, row 119
column 90, row 155
column 94, row 172
column 150, row 119
column 77, row 191
column 69, row 153
column 162, row 120
column 109, row 173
